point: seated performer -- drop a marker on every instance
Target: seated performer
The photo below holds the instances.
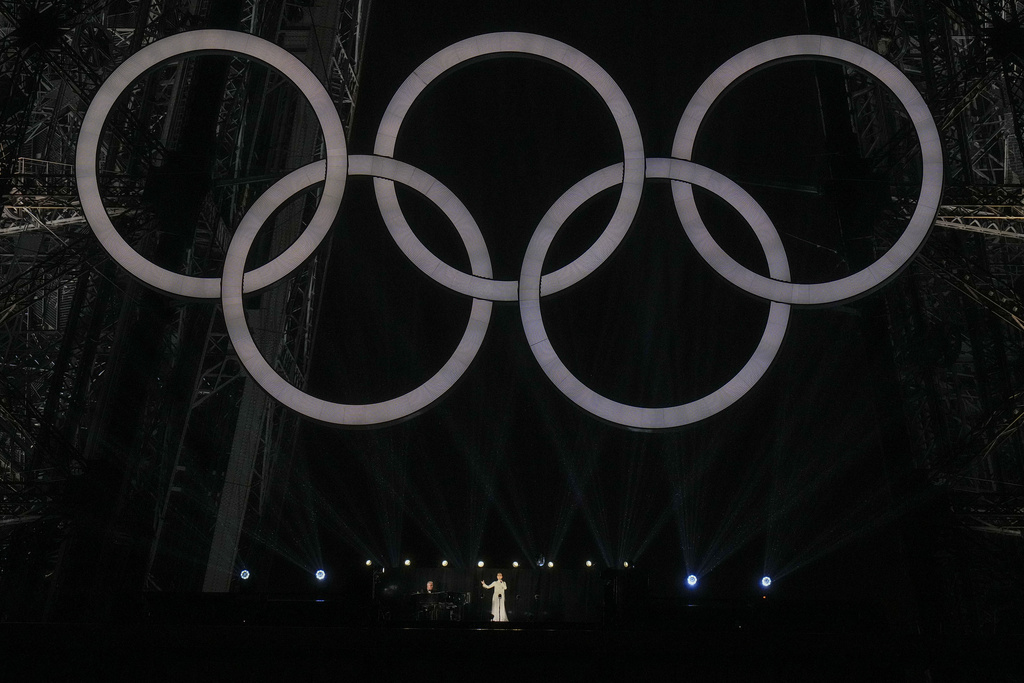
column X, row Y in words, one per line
column 428, row 607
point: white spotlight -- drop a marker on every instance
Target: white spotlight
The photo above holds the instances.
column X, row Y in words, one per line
column 550, row 565
column 625, row 565
column 691, row 580
column 480, row 563
column 321, row 574
column 369, row 563
column 408, row 562
column 589, row 563
column 244, row 574
column 766, row 581
column 515, row 565
column 444, row 563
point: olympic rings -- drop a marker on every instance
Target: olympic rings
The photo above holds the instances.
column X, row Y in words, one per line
column 532, row 283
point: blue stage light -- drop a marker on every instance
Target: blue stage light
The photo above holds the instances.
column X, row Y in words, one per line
column 691, row 580
column 244, row 574
column 321, row 574
column 766, row 581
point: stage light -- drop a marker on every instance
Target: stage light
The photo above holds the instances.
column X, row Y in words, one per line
column 589, row 563
column 691, row 580
column 766, row 581
column 480, row 563
column 515, row 565
column 444, row 563
column 321, row 575
column 244, row 574
column 625, row 565
column 369, row 563
column 408, row 562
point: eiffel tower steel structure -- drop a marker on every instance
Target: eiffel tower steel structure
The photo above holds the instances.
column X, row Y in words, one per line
column 109, row 473
column 956, row 318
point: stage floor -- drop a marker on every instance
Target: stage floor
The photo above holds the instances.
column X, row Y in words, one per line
column 302, row 639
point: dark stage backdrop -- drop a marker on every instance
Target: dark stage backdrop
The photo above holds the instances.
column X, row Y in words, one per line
column 802, row 479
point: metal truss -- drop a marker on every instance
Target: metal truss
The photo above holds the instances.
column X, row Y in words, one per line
column 992, row 210
column 954, row 53
column 994, row 514
column 956, row 318
column 253, row 150
column 49, row 275
column 61, row 302
column 241, row 522
column 70, row 321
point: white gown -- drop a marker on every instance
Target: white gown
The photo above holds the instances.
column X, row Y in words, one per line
column 498, row 600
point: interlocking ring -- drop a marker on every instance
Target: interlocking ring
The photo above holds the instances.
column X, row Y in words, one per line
column 534, row 46
column 633, row 416
column 825, row 49
column 298, row 400
column 210, row 42
column 532, row 283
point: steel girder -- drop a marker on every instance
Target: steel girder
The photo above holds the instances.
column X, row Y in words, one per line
column 956, row 323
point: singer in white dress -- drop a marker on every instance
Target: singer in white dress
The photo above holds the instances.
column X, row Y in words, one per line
column 498, row 599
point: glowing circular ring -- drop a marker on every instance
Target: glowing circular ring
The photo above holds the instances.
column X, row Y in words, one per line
column 211, row 41
column 532, row 284
column 525, row 44
column 277, row 386
column 620, row 413
column 829, row 49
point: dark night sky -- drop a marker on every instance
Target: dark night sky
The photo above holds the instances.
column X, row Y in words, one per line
column 795, row 476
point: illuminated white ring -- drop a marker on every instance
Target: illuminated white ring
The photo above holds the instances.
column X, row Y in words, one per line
column 211, row 41
column 277, row 386
column 531, row 286
column 524, row 44
column 829, row 49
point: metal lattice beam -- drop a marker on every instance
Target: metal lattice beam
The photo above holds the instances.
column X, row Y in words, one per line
column 956, row 317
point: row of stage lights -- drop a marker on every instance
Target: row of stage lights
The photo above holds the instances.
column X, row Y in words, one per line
column 691, row 580
column 515, row 564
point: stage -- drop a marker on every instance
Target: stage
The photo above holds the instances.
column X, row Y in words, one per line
column 229, row 637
